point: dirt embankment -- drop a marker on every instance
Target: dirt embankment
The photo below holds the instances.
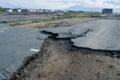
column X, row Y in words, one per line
column 59, row 60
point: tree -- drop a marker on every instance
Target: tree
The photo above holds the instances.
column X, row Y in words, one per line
column 1, row 9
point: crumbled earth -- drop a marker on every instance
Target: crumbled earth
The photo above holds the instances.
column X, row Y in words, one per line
column 59, row 60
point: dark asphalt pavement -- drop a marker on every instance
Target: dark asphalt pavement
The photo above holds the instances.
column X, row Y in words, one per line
column 15, row 44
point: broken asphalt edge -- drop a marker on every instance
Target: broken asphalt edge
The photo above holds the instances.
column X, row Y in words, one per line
column 51, row 35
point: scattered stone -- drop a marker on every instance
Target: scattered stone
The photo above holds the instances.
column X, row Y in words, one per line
column 118, row 74
column 39, row 75
column 67, row 70
column 111, row 66
column 99, row 61
column 118, row 56
column 108, row 78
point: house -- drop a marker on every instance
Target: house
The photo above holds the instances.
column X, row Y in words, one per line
column 107, row 11
column 15, row 10
column 6, row 10
column 19, row 10
column 24, row 10
column 33, row 10
column 10, row 10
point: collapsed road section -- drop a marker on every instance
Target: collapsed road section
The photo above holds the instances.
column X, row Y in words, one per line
column 99, row 34
column 76, row 53
column 17, row 44
column 94, row 35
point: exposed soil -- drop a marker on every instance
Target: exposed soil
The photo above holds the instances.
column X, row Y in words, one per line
column 59, row 60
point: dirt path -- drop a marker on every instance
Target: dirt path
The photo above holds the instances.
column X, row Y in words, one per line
column 59, row 60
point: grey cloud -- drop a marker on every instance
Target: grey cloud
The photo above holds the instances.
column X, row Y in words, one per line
column 112, row 2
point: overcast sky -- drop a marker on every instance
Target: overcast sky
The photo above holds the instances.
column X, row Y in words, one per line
column 60, row 4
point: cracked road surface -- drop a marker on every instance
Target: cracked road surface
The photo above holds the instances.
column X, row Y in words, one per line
column 15, row 44
column 58, row 59
column 101, row 34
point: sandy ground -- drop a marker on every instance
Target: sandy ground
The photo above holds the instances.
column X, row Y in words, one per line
column 58, row 23
column 59, row 60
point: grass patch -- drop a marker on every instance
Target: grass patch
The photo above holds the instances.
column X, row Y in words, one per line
column 69, row 15
column 80, row 14
column 75, row 15
column 17, row 24
column 34, row 21
column 45, row 20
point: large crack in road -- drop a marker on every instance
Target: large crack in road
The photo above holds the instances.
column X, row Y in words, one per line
column 87, row 51
column 17, row 43
column 58, row 59
column 99, row 34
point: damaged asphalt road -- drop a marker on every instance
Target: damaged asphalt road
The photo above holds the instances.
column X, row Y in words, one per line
column 101, row 34
column 17, row 43
column 65, row 54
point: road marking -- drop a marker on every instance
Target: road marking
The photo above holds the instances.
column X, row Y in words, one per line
column 34, row 50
